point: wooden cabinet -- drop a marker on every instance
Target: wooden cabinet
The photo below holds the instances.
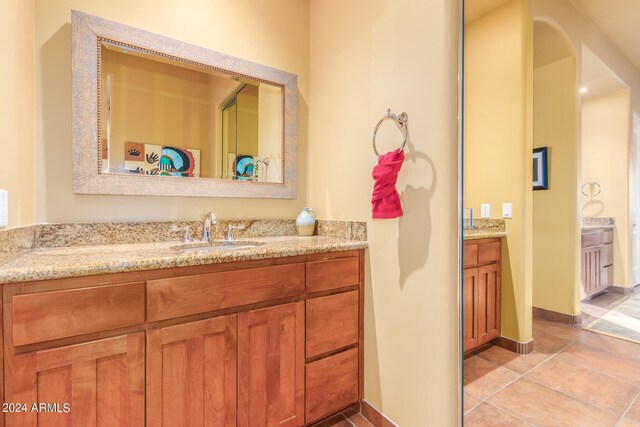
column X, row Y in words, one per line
column 470, row 306
column 481, row 292
column 191, row 374
column 97, row 383
column 597, row 261
column 275, row 342
column 271, row 367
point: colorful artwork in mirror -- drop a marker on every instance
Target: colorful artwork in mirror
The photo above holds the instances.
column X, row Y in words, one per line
column 150, row 159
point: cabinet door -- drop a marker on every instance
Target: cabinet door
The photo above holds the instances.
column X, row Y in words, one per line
column 191, row 374
column 271, row 366
column 488, row 308
column 470, row 308
column 591, row 270
column 101, row 381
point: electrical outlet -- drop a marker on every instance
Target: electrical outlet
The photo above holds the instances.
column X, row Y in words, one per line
column 507, row 211
column 4, row 209
column 485, row 210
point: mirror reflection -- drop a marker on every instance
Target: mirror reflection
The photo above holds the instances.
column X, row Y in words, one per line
column 161, row 116
column 552, row 196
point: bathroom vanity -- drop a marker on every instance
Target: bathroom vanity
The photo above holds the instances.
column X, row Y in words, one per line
column 251, row 339
column 481, row 289
column 597, row 260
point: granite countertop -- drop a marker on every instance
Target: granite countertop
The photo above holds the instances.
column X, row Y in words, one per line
column 485, row 228
column 78, row 261
column 598, row 227
column 483, row 234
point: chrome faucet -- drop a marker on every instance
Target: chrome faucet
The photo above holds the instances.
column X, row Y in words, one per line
column 230, row 231
column 470, row 227
column 209, row 220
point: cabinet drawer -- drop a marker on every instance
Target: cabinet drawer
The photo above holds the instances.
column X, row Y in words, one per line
column 332, row 384
column 606, row 278
column 591, row 239
column 182, row 296
column 332, row 322
column 607, row 236
column 606, row 255
column 470, row 254
column 59, row 314
column 488, row 252
column 332, row 273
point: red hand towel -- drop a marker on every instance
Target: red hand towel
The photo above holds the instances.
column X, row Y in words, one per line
column 385, row 202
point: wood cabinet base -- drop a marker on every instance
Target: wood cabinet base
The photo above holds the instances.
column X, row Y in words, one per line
column 251, row 344
column 482, row 292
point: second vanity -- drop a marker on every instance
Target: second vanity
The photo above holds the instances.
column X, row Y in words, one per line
column 482, row 292
column 597, row 256
column 269, row 335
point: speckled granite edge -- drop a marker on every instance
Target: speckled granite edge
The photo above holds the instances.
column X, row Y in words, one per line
column 481, row 234
column 488, row 224
column 596, row 221
column 58, row 263
column 20, row 239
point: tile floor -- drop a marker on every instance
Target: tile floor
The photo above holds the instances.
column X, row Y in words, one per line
column 572, row 378
column 348, row 418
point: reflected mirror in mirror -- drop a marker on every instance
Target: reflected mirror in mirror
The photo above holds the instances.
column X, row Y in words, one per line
column 163, row 116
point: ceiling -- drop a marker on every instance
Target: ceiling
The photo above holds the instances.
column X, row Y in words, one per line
column 597, row 77
column 474, row 9
column 618, row 20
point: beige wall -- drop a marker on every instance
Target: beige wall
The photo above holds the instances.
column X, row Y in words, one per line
column 606, row 127
column 17, row 109
column 556, row 213
column 367, row 55
column 498, row 144
column 277, row 36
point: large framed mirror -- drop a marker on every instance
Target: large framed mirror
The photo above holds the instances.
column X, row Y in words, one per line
column 156, row 116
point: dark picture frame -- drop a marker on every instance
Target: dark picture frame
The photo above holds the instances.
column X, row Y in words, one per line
column 540, row 168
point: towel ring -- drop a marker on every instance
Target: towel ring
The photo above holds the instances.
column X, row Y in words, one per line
column 400, row 121
column 591, row 183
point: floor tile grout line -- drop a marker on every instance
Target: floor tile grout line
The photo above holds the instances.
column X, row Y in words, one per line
column 624, row 414
column 570, row 342
column 511, row 413
column 347, row 419
column 473, row 407
column 543, row 385
column 520, row 374
column 591, row 368
column 576, row 398
column 637, row 385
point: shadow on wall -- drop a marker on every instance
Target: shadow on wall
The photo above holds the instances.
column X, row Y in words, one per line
column 594, row 207
column 414, row 227
column 55, row 84
column 508, row 296
column 373, row 385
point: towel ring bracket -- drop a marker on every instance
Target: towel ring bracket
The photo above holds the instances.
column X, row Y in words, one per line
column 400, row 120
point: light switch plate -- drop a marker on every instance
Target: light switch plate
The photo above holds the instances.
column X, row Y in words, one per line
column 4, row 209
column 507, row 210
column 485, row 210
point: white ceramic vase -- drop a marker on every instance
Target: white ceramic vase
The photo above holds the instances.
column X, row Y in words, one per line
column 306, row 222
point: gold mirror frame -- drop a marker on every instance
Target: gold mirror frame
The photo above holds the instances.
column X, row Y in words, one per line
column 88, row 32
